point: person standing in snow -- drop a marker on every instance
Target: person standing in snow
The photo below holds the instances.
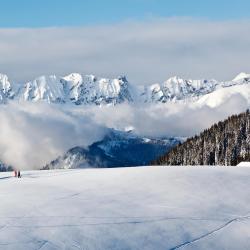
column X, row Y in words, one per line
column 18, row 174
column 15, row 173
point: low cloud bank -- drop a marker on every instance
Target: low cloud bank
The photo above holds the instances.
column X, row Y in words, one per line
column 33, row 134
column 160, row 120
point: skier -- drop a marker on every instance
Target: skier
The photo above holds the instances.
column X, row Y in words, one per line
column 15, row 173
column 18, row 174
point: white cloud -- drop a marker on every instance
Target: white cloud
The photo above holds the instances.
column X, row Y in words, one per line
column 146, row 52
column 165, row 120
column 32, row 135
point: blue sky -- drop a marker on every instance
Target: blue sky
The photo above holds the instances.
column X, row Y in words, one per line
column 47, row 13
column 135, row 38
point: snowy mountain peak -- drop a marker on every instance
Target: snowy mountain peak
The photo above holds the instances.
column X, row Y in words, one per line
column 6, row 91
column 174, row 79
column 89, row 89
column 4, row 83
column 242, row 76
column 176, row 88
column 74, row 78
column 43, row 88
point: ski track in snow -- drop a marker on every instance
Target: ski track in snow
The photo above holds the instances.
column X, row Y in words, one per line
column 111, row 223
column 210, row 233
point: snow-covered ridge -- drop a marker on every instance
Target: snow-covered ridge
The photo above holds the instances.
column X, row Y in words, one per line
column 77, row 89
column 242, row 77
column 42, row 88
column 177, row 89
column 89, row 89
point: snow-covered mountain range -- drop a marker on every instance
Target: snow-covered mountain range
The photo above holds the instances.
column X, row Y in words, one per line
column 91, row 90
column 73, row 88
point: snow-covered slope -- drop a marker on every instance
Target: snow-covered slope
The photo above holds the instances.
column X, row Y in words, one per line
column 77, row 89
column 91, row 90
column 244, row 164
column 177, row 89
column 242, row 77
column 126, row 208
column 220, row 96
column 44, row 88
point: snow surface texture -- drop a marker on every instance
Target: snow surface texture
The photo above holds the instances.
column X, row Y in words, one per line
column 126, row 208
column 89, row 89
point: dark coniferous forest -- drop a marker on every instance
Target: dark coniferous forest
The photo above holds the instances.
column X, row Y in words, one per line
column 225, row 143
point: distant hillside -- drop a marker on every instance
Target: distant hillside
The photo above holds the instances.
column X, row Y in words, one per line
column 117, row 149
column 225, row 143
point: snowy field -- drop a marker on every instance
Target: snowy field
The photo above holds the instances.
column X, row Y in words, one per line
column 126, row 208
